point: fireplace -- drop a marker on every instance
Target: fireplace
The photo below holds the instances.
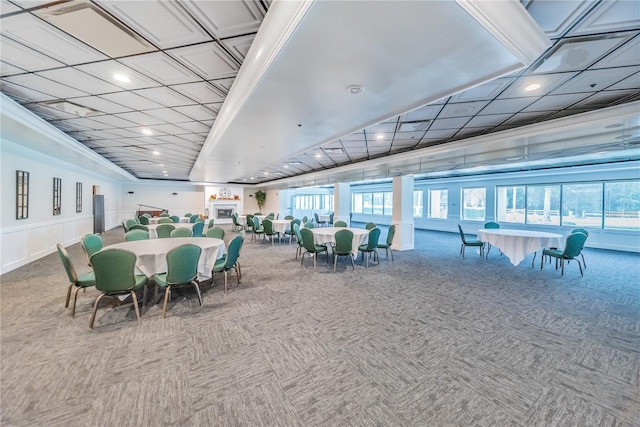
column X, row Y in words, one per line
column 224, row 212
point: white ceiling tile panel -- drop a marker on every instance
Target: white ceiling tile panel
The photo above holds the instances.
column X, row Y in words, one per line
column 546, row 81
column 440, row 133
column 483, row 92
column 113, row 121
column 169, row 129
column 126, row 133
column 502, row 106
column 628, row 54
column 6, row 7
column 171, row 139
column 43, row 85
column 487, row 120
column 604, row 98
column 196, row 112
column 86, row 123
column 51, row 113
column 408, row 135
column 227, row 18
column 163, row 23
column 591, row 80
column 380, row 128
column 193, row 126
column 22, row 93
column 140, row 118
column 201, row 92
column 39, row 35
column 24, row 57
column 164, row 96
column 193, row 137
column 107, row 69
column 26, row 4
column 451, row 123
column 239, row 46
column 423, row 113
column 556, row 17
column 631, row 82
column 161, row 68
column 79, row 80
column 555, row 102
column 168, row 115
column 69, row 127
column 8, row 69
column 131, row 100
column 100, row 134
column 100, row 104
column 462, row 109
column 523, row 118
column 207, row 60
column 610, row 16
column 215, row 107
column 224, row 84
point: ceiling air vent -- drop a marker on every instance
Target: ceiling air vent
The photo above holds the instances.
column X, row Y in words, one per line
column 71, row 108
column 95, row 27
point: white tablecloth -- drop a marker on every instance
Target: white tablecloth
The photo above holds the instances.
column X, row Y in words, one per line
column 155, row 219
column 324, row 235
column 516, row 244
column 152, row 254
column 243, row 219
column 153, row 234
column 280, row 225
column 325, row 218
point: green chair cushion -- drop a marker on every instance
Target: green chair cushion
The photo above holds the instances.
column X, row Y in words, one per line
column 86, row 280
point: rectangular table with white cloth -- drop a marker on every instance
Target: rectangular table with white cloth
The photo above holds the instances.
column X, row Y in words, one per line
column 153, row 234
column 152, row 254
column 517, row 244
column 324, row 235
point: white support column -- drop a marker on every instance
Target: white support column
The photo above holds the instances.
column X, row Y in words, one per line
column 403, row 213
column 341, row 201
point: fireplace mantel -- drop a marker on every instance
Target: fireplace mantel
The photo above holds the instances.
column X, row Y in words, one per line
column 217, row 205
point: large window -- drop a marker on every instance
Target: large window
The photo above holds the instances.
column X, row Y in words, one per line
column 439, row 203
column 543, row 204
column 314, row 202
column 582, row 204
column 510, row 204
column 622, row 205
column 388, row 203
column 474, row 204
column 357, row 203
column 418, row 204
column 378, row 203
column 367, row 203
column 372, row 203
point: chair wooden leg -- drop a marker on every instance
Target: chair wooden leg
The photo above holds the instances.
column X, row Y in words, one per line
column 66, row 304
column 335, row 261
column 75, row 298
column 225, row 281
column 167, row 293
column 353, row 266
column 95, row 309
column 580, row 266
column 391, row 250
column 584, row 262
column 195, row 285
column 562, row 267
column 135, row 304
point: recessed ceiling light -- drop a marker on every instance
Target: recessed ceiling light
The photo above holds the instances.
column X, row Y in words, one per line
column 161, row 165
column 334, row 150
column 252, row 178
column 531, row 87
column 293, row 163
column 156, row 153
column 380, row 136
column 146, row 131
column 266, row 173
column 355, row 89
column 318, row 156
column 286, row 166
column 164, row 171
column 121, row 78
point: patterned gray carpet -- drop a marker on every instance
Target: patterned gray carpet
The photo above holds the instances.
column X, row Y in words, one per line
column 428, row 340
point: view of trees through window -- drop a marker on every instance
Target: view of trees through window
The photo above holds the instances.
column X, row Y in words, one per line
column 439, row 203
column 622, row 205
column 474, row 204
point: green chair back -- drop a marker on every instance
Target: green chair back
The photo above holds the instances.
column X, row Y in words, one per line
column 309, row 224
column 187, row 215
column 256, row 223
column 331, row 218
column 133, row 235
column 296, row 231
column 66, row 262
column 139, row 227
column 233, row 252
column 288, row 217
column 114, row 270
column 305, row 219
column 249, row 221
column 307, row 240
column 258, row 213
column 268, row 227
column 166, row 221
column 211, row 222
column 492, row 225
column 370, row 225
column 216, row 232
column 174, row 218
column 340, row 224
column 129, row 223
column 182, row 264
column 374, row 236
column 143, row 220
column 91, row 243
column 164, row 230
column 182, row 232
column 193, row 218
column 574, row 245
column 198, row 229
column 390, row 234
column 164, row 214
column 271, row 216
column 344, row 242
column 580, row 230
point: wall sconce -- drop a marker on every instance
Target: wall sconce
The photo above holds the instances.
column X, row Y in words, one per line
column 174, row 194
column 130, row 193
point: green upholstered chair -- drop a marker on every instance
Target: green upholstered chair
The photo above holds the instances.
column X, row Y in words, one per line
column 174, row 219
column 143, row 220
column 164, row 214
column 129, row 223
column 258, row 213
column 311, row 248
column 115, row 276
column 133, row 235
column 572, row 248
column 182, row 269
column 257, row 228
column 309, row 224
column 267, row 225
column 288, row 217
column 211, row 223
column 193, row 218
column 236, row 223
column 470, row 242
column 340, row 224
column 148, row 215
column 387, row 245
column 271, row 216
column 188, row 215
column 249, row 221
column 91, row 243
column 296, row 231
column 139, row 227
column 164, row 230
column 304, row 219
column 216, row 232
column 289, row 231
column 167, row 221
column 82, row 281
column 371, row 247
column 182, row 232
column 584, row 231
column 198, row 229
column 370, row 225
column 230, row 261
column 343, row 247
column 317, row 218
column 330, row 222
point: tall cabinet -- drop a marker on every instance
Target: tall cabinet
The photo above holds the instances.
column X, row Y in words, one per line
column 98, row 213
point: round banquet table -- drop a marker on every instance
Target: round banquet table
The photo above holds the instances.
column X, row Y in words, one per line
column 516, row 244
column 153, row 234
column 152, row 254
column 324, row 235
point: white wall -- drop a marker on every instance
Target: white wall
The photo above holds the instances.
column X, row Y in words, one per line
column 189, row 199
column 26, row 240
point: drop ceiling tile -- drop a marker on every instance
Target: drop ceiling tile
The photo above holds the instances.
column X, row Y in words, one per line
column 168, row 115
column 427, row 112
column 223, row 84
column 79, row 80
column 238, row 46
column 201, row 92
column 462, row 109
column 555, row 102
column 193, row 126
column 114, row 121
column 130, row 100
column 161, row 67
column 408, row 135
column 604, row 99
column 126, row 133
column 484, row 92
column 24, row 57
column 140, row 118
column 66, row 126
column 163, row 23
column 591, row 80
column 7, row 69
column 171, row 139
column 631, row 82
column 39, row 35
column 451, row 123
column 610, row 16
column 85, row 124
column 43, row 85
column 164, row 96
column 215, row 107
column 380, row 128
column 488, row 120
column 100, row 104
column 23, row 94
column 6, row 7
column 100, row 134
column 193, row 137
column 555, row 17
column 105, row 70
column 169, row 129
column 525, row 118
column 207, row 60
column 48, row 113
column 196, row 112
column 503, row 106
column 547, row 83
column 628, row 54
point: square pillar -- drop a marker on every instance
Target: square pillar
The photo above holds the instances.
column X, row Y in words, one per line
column 341, row 202
column 403, row 213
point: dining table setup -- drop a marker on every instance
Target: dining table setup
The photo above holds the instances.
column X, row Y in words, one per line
column 516, row 244
column 326, row 235
column 153, row 234
column 152, row 254
column 155, row 219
